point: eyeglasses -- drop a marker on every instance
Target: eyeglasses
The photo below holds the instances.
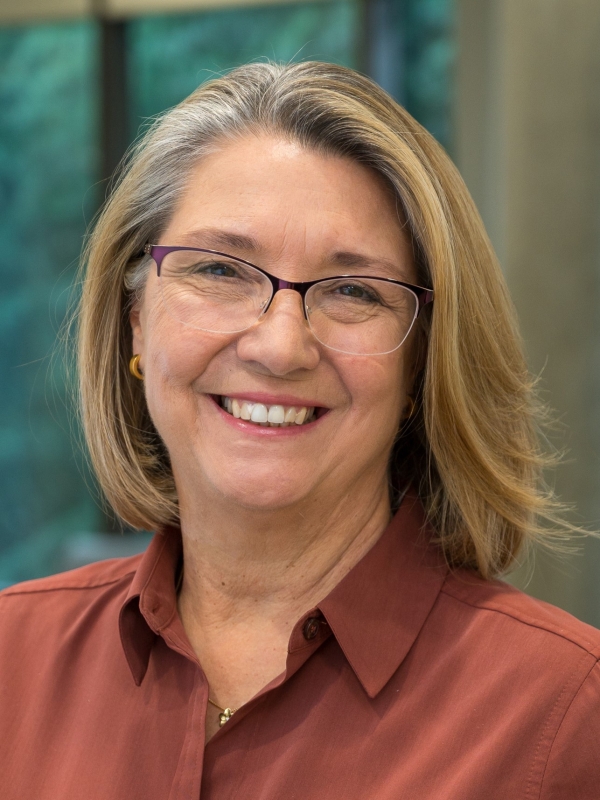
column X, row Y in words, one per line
column 219, row 293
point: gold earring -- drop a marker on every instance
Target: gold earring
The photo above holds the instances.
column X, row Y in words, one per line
column 134, row 367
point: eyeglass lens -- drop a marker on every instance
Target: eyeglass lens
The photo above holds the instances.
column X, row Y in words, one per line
column 366, row 316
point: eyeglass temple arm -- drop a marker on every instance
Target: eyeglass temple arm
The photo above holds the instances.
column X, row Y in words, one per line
column 425, row 297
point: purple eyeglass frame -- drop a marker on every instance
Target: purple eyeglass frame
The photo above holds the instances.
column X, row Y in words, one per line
column 159, row 251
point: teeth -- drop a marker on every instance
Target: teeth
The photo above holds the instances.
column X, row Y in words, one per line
column 301, row 416
column 274, row 416
column 259, row 413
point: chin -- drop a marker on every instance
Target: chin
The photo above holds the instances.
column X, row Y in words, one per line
column 262, row 493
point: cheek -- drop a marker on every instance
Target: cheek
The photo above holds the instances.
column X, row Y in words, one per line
column 378, row 387
column 175, row 358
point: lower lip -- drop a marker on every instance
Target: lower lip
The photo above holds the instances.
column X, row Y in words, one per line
column 259, row 430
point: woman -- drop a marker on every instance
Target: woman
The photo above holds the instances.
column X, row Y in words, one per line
column 337, row 465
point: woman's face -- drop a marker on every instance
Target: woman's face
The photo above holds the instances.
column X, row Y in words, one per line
column 292, row 212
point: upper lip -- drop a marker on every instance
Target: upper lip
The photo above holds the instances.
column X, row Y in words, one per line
column 274, row 399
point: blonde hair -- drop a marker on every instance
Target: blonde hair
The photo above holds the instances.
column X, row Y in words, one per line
column 471, row 447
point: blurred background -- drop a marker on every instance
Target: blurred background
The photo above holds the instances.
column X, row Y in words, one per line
column 510, row 88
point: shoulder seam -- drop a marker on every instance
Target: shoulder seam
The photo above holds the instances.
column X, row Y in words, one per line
column 10, row 592
column 591, row 649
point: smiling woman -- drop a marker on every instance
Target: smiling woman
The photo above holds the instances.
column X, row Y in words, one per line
column 299, row 363
column 199, row 341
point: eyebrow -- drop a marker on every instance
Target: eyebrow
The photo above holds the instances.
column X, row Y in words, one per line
column 216, row 238
column 350, row 260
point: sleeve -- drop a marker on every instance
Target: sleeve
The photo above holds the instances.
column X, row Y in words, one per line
column 573, row 766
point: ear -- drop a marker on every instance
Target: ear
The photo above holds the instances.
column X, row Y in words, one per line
column 135, row 320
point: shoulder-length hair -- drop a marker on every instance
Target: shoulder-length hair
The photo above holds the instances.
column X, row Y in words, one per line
column 470, row 448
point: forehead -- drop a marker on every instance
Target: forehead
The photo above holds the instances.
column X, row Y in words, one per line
column 273, row 200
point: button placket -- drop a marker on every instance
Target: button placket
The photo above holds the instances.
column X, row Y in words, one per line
column 188, row 775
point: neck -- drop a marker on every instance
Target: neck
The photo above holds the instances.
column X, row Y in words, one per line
column 250, row 575
column 242, row 563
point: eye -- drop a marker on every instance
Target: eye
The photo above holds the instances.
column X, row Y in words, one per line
column 220, row 269
column 357, row 291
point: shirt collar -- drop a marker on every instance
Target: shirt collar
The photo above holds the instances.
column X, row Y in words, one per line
column 375, row 613
column 151, row 602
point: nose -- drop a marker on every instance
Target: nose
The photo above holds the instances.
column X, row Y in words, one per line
column 281, row 341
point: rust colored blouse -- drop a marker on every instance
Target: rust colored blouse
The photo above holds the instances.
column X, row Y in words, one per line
column 408, row 682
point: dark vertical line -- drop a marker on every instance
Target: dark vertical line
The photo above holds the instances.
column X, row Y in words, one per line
column 114, row 106
column 381, row 44
column 364, row 43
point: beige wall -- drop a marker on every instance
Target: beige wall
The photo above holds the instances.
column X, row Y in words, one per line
column 528, row 144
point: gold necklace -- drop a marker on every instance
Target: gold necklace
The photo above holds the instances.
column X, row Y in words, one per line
column 226, row 713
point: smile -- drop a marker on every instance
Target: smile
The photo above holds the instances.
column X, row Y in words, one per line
column 274, row 416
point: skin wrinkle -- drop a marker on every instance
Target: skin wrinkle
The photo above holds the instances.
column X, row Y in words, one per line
column 249, row 249
column 309, row 579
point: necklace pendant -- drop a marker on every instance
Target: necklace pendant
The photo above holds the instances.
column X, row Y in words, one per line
column 225, row 715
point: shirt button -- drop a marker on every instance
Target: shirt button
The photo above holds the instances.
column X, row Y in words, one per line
column 311, row 628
